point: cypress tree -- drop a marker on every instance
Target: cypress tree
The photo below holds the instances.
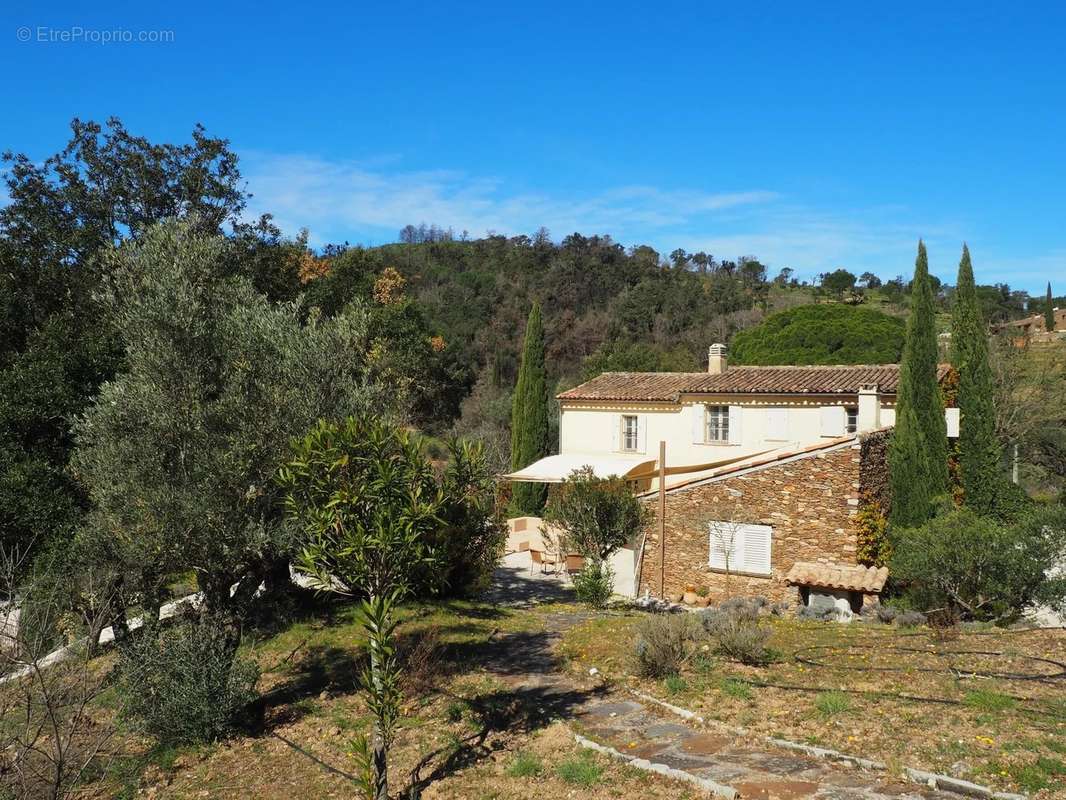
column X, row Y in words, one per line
column 918, row 460
column 979, row 454
column 529, row 417
column 908, row 471
column 1049, row 311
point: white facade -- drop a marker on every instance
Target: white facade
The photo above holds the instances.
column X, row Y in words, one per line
column 699, row 429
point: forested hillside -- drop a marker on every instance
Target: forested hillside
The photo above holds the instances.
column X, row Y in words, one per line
column 605, row 308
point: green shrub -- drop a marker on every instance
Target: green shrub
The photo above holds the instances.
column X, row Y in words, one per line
column 736, row 688
column 184, row 684
column 583, row 770
column 910, row 619
column 594, row 585
column 979, row 568
column 985, row 700
column 525, row 765
column 674, row 684
column 832, row 702
column 454, row 711
column 661, row 646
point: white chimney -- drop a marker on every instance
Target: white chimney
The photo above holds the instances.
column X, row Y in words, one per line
column 716, row 359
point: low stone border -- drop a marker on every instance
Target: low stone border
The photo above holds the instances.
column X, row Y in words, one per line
column 930, row 779
column 719, row 789
column 107, row 637
column 959, row 786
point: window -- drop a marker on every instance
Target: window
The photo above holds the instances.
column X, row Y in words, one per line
column 717, row 423
column 630, row 432
column 740, row 548
column 852, row 423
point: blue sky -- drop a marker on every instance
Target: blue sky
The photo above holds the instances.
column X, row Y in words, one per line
column 825, row 135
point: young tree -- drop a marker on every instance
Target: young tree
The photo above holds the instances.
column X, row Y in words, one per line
column 918, row 452
column 529, row 417
column 1049, row 311
column 838, row 281
column 869, row 280
column 979, row 450
column 50, row 737
column 597, row 516
column 365, row 503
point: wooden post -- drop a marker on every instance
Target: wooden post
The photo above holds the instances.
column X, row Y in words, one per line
column 662, row 520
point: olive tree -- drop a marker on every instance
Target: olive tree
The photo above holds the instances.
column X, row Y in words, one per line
column 179, row 450
column 979, row 568
column 365, row 503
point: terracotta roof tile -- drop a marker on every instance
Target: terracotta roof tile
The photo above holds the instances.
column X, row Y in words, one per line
column 847, row 577
column 666, row 386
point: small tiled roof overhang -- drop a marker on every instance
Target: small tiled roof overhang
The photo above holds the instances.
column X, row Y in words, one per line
column 667, row 386
column 847, row 577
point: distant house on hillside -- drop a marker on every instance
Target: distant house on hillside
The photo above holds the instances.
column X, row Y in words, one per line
column 771, row 455
column 1034, row 327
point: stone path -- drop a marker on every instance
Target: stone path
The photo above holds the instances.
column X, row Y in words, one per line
column 712, row 756
column 515, row 582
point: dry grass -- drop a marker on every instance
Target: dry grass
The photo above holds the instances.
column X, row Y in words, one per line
column 874, row 697
column 469, row 735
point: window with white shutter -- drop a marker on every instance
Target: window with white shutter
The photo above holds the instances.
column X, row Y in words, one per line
column 834, row 420
column 740, row 548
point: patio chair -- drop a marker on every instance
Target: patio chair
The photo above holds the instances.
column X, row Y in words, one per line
column 574, row 563
column 543, row 559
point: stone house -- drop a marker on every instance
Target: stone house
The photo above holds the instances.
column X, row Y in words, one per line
column 763, row 469
column 780, row 527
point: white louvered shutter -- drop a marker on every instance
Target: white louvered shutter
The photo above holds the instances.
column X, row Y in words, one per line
column 834, row 418
column 699, row 424
column 755, row 553
column 735, row 436
column 616, row 433
column 777, row 423
column 724, row 540
column 642, row 433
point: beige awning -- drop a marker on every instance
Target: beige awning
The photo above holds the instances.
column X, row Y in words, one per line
column 556, row 469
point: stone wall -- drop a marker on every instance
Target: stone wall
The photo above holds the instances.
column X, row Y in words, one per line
column 810, row 503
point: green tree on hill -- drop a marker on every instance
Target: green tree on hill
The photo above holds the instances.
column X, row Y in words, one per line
column 979, row 452
column 918, row 454
column 821, row 334
column 1049, row 311
column 838, row 281
column 529, row 417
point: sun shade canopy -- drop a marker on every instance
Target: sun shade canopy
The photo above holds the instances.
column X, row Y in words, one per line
column 556, row 469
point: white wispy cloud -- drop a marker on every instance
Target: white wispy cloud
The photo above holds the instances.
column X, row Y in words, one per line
column 369, row 201
column 347, row 199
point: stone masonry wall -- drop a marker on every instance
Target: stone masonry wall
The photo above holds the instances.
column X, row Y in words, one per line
column 810, row 504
